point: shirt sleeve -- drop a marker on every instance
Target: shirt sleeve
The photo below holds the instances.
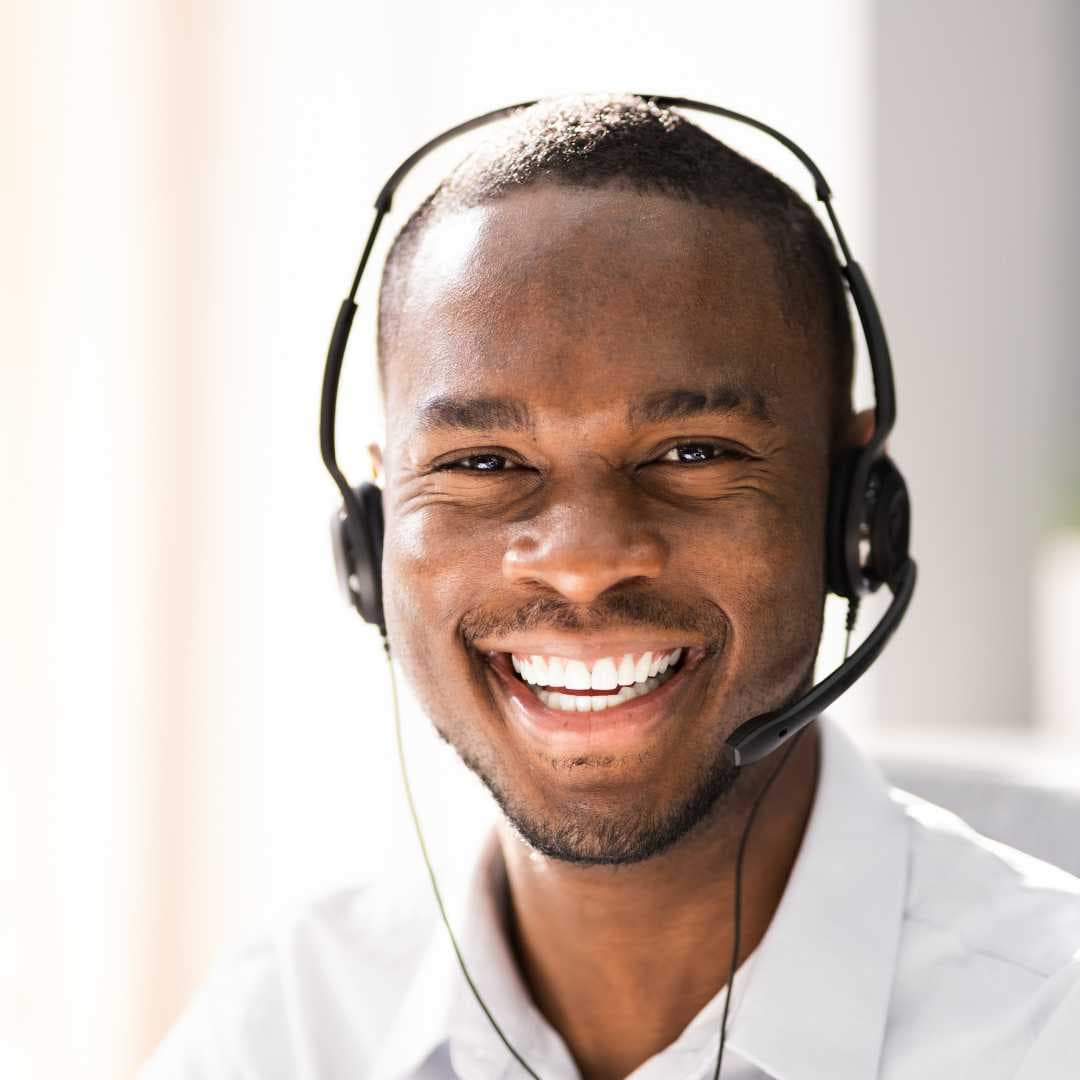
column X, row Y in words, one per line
column 1056, row 1049
column 191, row 1051
column 235, row 1027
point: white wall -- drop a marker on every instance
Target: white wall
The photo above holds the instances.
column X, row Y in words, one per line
column 975, row 118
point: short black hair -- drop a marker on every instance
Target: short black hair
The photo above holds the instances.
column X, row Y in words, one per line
column 590, row 142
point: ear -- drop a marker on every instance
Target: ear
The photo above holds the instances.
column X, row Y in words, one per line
column 375, row 460
column 860, row 428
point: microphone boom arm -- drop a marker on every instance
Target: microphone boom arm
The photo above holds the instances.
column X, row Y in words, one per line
column 754, row 739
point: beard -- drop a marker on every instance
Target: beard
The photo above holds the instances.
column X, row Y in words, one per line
column 617, row 831
column 615, row 837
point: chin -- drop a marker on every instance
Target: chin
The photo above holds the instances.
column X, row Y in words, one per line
column 606, row 829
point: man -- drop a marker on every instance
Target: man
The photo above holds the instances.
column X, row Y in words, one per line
column 616, row 362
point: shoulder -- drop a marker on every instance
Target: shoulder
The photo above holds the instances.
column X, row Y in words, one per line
column 989, row 952
column 313, row 989
column 989, row 899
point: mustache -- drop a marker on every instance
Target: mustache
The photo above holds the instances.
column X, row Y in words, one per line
column 617, row 611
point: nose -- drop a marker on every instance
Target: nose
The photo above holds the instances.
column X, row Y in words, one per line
column 588, row 537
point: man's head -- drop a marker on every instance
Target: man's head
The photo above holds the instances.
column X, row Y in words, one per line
column 616, row 361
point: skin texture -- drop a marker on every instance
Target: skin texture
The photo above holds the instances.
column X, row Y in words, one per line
column 593, row 528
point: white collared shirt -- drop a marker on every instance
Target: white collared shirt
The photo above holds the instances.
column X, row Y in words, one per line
column 905, row 947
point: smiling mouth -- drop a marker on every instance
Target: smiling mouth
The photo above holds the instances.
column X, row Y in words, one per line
column 571, row 685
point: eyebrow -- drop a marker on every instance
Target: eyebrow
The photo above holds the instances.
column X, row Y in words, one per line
column 718, row 400
column 475, row 414
column 459, row 413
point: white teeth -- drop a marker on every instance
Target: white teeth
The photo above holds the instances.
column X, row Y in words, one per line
column 604, row 676
column 607, row 673
column 556, row 672
column 583, row 703
column 578, row 702
column 577, row 676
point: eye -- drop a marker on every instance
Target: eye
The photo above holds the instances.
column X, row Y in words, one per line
column 700, row 453
column 485, row 463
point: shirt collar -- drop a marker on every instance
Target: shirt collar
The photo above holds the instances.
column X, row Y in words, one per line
column 812, row 1000
column 438, row 1003
column 819, row 994
column 439, row 1007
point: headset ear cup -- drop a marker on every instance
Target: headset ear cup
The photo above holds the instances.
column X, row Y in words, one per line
column 343, row 553
column 843, row 578
column 889, row 521
column 371, row 499
column 356, row 532
column 881, row 518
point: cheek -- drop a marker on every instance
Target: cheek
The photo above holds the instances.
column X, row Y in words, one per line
column 765, row 566
column 433, row 572
column 782, row 596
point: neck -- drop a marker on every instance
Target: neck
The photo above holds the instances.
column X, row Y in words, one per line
column 656, row 936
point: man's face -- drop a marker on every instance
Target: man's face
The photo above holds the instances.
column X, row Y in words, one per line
column 604, row 441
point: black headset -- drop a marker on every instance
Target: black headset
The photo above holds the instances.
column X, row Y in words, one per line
column 868, row 521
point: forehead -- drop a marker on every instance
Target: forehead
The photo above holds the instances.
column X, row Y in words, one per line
column 581, row 300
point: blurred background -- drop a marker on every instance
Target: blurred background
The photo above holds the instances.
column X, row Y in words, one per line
column 195, row 729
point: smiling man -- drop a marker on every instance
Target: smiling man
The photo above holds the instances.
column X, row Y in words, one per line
column 616, row 362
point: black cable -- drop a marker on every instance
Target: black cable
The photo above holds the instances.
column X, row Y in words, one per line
column 849, row 626
column 849, row 623
column 431, row 870
column 738, row 894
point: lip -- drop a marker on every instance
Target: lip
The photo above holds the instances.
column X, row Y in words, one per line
column 618, row 728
